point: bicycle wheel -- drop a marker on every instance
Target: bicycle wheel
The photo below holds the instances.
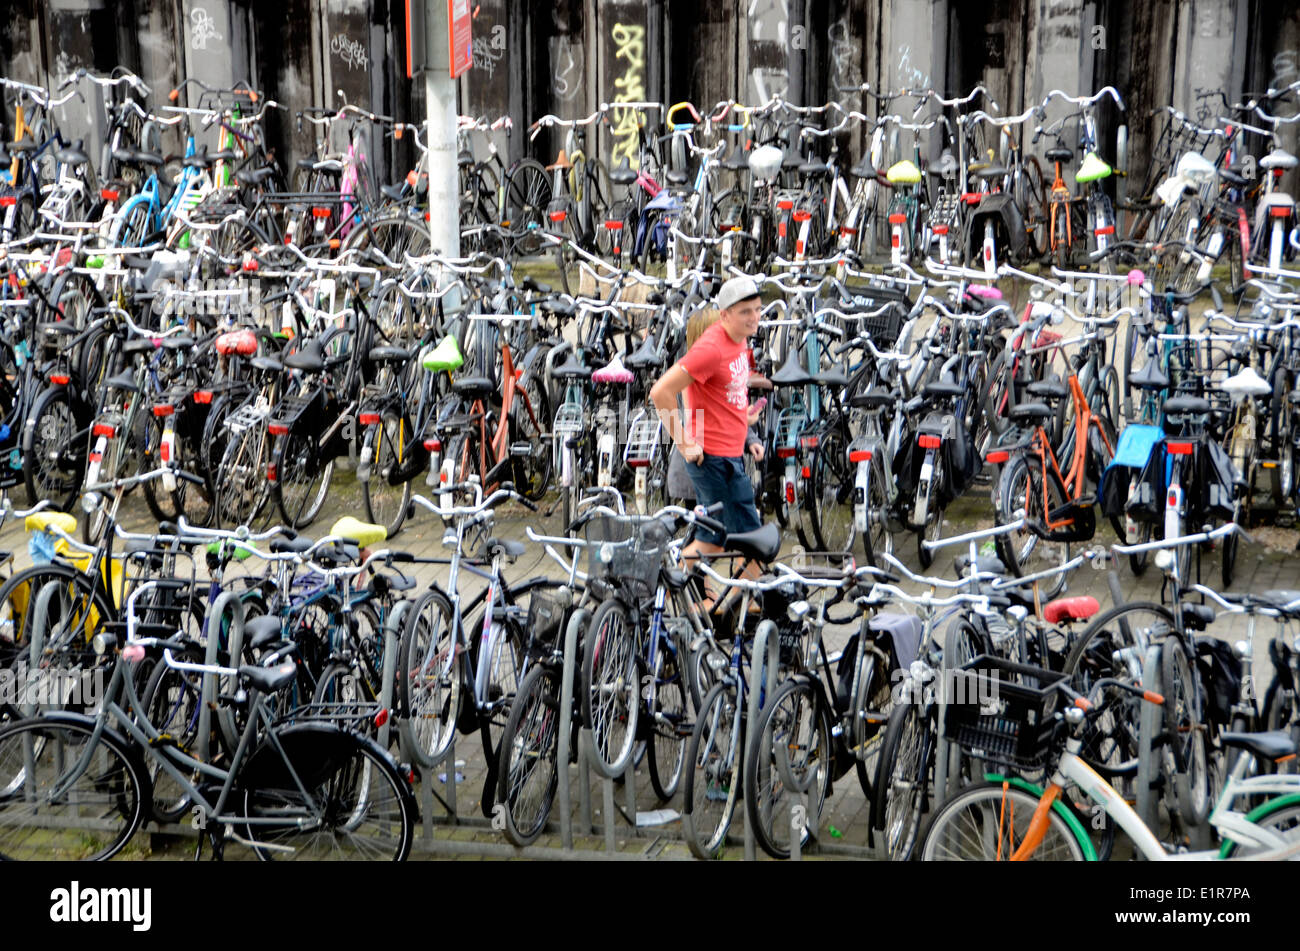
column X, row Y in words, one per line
column 1111, row 742
column 1281, row 814
column 670, row 727
column 429, row 678
column 389, row 444
column 788, row 768
column 712, row 773
column 320, row 792
column 242, row 487
column 528, row 776
column 66, row 794
column 1184, row 716
column 611, row 701
column 988, row 823
column 830, row 494
column 1020, row 487
column 302, row 477
column 532, row 416
column 1280, row 714
column 171, row 701
column 395, row 236
column 900, row 787
column 53, row 455
column 527, row 193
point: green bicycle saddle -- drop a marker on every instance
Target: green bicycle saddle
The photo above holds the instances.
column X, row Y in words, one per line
column 1092, row 169
column 903, row 173
column 445, row 356
column 240, row 552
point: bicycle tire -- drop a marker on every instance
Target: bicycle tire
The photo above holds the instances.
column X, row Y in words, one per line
column 389, row 442
column 901, row 780
column 713, row 761
column 171, row 701
column 1183, row 711
column 669, row 728
column 116, row 787
column 1020, row 486
column 351, row 782
column 976, row 820
column 53, row 463
column 785, row 750
column 302, row 478
column 829, row 496
column 528, row 776
column 429, row 679
column 1280, row 714
column 610, row 671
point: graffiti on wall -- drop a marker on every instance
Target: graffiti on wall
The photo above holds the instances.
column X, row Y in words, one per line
column 203, row 29
column 844, row 65
column 350, row 51
column 909, row 76
column 566, row 67
column 629, row 86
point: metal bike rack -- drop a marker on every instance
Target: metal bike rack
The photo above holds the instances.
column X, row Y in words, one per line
column 766, row 645
column 576, row 622
column 227, row 601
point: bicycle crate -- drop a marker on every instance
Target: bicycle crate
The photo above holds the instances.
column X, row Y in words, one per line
column 643, row 440
column 626, row 553
column 1003, row 712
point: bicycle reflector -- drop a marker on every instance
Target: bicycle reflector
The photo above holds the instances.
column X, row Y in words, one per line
column 638, row 463
column 940, row 229
column 802, row 215
column 104, row 429
column 785, row 204
column 1280, row 211
column 860, row 455
column 164, row 409
column 8, row 201
column 997, row 456
column 786, row 452
column 368, row 419
column 203, row 396
column 320, row 212
column 809, row 442
column 60, row 379
column 433, row 445
column 614, row 224
column 1180, row 448
column 278, row 429
column 558, row 216
column 108, row 194
column 926, row 441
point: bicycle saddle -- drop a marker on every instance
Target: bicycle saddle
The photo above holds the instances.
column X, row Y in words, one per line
column 269, row 679
column 648, row 354
column 1059, row 154
column 1092, row 169
column 1049, row 389
column 389, row 354
column 613, row 372
column 571, row 369
column 310, row 359
column 138, row 345
column 504, row 546
column 1030, row 411
column 1179, row 405
column 903, row 173
column 124, row 380
column 475, row 387
column 464, row 158
column 944, row 389
column 241, row 342
column 814, row 167
column 260, row 631
column 299, row 544
column 561, row 162
column 676, row 177
column 987, row 564
column 1150, row 377
column 835, row 376
column 199, row 159
column 445, row 356
column 871, row 399
column 393, row 192
column 790, row 157
column 623, row 175
column 1245, row 383
column 307, row 164
column 1278, row 158
column 864, row 169
column 266, row 364
column 23, row 145
column 762, row 544
column 364, row 534
column 765, row 162
column 736, row 160
column 1233, row 177
column 990, row 172
column 1078, row 608
column 1270, row 744
column 42, row 521
column 253, row 176
column 73, row 155
column 947, row 165
column 792, row 372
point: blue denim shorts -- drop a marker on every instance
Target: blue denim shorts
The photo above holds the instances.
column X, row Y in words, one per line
column 723, row 479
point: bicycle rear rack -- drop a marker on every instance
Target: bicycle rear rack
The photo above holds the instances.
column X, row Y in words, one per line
column 246, row 417
column 789, row 425
column 643, row 439
column 291, row 408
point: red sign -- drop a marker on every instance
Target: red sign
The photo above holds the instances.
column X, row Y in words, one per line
column 458, row 18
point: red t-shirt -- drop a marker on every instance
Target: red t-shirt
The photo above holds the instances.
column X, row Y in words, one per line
column 718, row 396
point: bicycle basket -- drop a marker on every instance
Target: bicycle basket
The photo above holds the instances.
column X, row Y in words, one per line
column 626, row 553
column 883, row 328
column 1003, row 712
column 545, row 616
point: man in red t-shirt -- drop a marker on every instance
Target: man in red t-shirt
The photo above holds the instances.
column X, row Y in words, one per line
column 715, row 375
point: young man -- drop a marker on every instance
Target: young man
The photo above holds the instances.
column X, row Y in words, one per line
column 715, row 373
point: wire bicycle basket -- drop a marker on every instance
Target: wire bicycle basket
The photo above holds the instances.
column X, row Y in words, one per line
column 1003, row 712
column 626, row 553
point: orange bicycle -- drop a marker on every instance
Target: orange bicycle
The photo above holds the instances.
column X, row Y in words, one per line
column 1031, row 480
column 495, row 432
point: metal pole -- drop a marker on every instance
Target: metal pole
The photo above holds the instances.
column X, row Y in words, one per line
column 227, row 601
column 766, row 652
column 441, row 112
column 576, row 622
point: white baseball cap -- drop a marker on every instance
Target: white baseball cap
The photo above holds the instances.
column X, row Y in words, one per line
column 734, row 291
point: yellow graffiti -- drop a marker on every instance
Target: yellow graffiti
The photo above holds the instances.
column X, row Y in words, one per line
column 629, row 42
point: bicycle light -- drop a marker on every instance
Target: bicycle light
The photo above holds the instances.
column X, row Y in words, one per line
column 798, row 610
column 605, row 553
column 103, row 643
column 1164, row 559
column 1241, row 649
column 89, row 501
column 1073, row 716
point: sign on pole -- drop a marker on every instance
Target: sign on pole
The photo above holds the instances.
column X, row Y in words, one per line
column 458, row 29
